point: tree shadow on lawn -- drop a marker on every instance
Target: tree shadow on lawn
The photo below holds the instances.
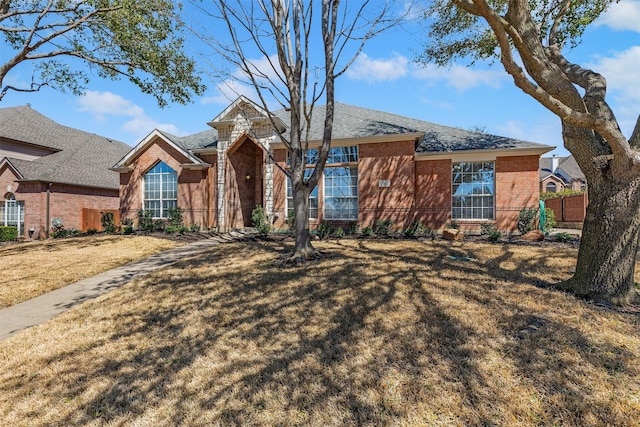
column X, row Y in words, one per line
column 369, row 337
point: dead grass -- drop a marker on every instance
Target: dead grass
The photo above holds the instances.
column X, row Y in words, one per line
column 32, row 269
column 376, row 333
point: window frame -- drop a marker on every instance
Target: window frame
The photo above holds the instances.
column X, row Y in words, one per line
column 160, row 189
column 458, row 212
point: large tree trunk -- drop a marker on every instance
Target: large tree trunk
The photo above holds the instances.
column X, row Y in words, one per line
column 607, row 256
column 303, row 249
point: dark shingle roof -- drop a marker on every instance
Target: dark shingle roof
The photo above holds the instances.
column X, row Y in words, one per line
column 201, row 140
column 83, row 158
column 567, row 168
column 353, row 122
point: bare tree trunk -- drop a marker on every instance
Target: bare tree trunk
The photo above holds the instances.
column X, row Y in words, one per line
column 609, row 244
column 303, row 249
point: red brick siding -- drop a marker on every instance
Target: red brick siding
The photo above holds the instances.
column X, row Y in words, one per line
column 394, row 162
column 66, row 202
column 433, row 192
column 192, row 184
column 517, row 186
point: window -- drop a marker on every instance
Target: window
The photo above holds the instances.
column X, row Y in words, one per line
column 551, row 187
column 340, row 184
column 313, row 197
column 473, row 190
column 12, row 212
column 341, row 193
column 160, row 190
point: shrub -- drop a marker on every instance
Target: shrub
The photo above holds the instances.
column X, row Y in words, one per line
column 159, row 225
column 564, row 237
column 8, row 233
column 526, row 220
column 127, row 229
column 383, row 227
column 354, row 228
column 145, row 220
column 194, row 228
column 367, row 231
column 555, row 195
column 323, row 230
column 62, row 232
column 550, row 221
column 92, row 231
column 291, row 220
column 416, row 229
column 339, row 233
column 106, row 219
column 494, row 236
column 260, row 221
column 486, row 228
column 175, row 216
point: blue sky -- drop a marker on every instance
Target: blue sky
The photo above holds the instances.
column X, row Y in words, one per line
column 383, row 78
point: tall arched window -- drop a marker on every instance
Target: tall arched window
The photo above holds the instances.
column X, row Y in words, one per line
column 160, row 190
column 13, row 212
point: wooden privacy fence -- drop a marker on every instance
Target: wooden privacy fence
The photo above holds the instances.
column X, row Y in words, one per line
column 91, row 218
column 569, row 208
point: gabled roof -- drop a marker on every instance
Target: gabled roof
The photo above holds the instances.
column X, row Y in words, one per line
column 567, row 169
column 242, row 103
column 185, row 145
column 357, row 122
column 81, row 158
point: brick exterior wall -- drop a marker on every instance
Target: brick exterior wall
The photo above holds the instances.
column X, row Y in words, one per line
column 433, row 192
column 392, row 163
column 65, row 202
column 193, row 185
column 517, row 186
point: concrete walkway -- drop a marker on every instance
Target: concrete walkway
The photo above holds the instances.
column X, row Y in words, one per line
column 40, row 309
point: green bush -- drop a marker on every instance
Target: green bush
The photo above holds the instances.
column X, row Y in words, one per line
column 486, row 228
column 145, row 220
column 92, row 231
column 127, row 229
column 416, row 229
column 550, row 221
column 8, row 233
column 383, row 227
column 339, row 233
column 564, row 237
column 63, row 232
column 106, row 219
column 260, row 221
column 194, row 228
column 175, row 216
column 494, row 236
column 367, row 231
column 453, row 225
column 556, row 195
column 159, row 224
column 526, row 220
column 323, row 230
column 354, row 228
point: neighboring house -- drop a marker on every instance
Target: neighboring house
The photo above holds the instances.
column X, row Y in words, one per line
column 561, row 173
column 381, row 166
column 52, row 171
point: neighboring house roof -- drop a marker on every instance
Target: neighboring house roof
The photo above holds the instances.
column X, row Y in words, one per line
column 357, row 122
column 198, row 141
column 81, row 158
column 566, row 169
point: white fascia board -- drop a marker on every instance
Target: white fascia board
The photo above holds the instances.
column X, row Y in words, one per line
column 481, row 155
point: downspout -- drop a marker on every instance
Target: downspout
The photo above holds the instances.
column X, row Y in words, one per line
column 46, row 228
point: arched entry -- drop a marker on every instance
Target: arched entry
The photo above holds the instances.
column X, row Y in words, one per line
column 244, row 181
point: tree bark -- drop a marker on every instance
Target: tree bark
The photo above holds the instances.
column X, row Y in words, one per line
column 303, row 249
column 607, row 256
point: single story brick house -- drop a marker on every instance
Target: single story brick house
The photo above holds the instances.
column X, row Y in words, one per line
column 381, row 166
column 49, row 171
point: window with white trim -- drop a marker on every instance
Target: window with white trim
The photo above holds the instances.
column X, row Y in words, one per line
column 160, row 190
column 551, row 187
column 313, row 197
column 12, row 213
column 473, row 190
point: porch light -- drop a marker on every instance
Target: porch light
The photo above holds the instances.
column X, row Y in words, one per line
column 247, row 178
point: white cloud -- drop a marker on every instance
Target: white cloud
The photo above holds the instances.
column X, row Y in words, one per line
column 372, row 70
column 622, row 16
column 621, row 72
column 459, row 77
column 104, row 104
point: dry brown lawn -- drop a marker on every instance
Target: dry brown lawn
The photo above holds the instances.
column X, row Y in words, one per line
column 32, row 269
column 374, row 333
